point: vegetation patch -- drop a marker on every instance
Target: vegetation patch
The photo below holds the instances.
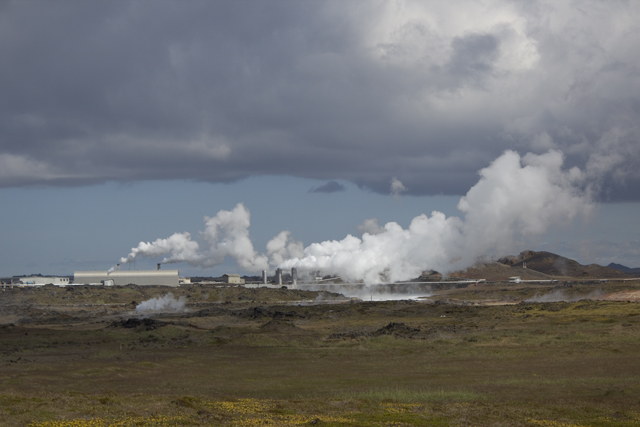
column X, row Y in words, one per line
column 399, row 363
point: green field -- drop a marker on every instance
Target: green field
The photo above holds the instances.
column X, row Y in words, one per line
column 352, row 364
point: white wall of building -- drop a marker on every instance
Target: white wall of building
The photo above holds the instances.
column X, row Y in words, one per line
column 124, row 278
column 41, row 281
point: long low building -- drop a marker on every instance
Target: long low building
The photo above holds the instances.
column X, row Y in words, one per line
column 40, row 280
column 131, row 277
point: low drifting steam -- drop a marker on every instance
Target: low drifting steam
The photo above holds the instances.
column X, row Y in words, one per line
column 560, row 295
column 165, row 303
column 404, row 291
column 515, row 199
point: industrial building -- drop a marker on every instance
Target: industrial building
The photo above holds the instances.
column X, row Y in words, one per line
column 123, row 278
column 233, row 278
column 39, row 281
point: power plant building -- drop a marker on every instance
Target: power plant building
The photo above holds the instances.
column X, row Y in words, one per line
column 123, row 278
column 233, row 278
column 40, row 281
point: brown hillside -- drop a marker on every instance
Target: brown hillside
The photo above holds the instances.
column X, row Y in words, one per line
column 496, row 271
column 531, row 265
column 556, row 265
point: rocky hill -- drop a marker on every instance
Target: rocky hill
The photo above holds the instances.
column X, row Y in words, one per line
column 556, row 265
column 497, row 271
column 532, row 265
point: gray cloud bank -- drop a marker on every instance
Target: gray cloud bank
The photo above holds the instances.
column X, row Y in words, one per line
column 427, row 92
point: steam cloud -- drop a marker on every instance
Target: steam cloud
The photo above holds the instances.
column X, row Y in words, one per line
column 515, row 199
column 226, row 234
column 165, row 303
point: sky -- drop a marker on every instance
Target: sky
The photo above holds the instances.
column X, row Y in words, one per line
column 128, row 121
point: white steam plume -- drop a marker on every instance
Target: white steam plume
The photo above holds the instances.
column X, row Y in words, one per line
column 179, row 245
column 226, row 234
column 515, row 198
column 283, row 247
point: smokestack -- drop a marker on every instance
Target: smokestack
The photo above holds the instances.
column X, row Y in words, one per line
column 294, row 276
column 279, row 276
column 264, row 277
column 117, row 267
column 158, row 266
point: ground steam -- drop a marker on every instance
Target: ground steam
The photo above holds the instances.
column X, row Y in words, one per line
column 165, row 303
column 560, row 295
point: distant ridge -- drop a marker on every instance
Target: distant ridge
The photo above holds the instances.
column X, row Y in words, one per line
column 532, row 265
column 624, row 268
column 557, row 265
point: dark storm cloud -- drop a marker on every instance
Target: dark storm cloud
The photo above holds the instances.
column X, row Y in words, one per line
column 363, row 91
column 472, row 56
column 329, row 187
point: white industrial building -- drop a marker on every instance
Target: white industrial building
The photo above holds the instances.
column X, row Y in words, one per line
column 123, row 278
column 40, row 281
column 233, row 278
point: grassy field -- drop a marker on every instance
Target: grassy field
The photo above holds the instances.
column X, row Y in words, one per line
column 244, row 363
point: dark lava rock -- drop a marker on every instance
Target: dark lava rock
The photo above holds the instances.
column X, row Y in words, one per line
column 140, row 324
column 349, row 335
column 399, row 330
column 260, row 312
column 394, row 328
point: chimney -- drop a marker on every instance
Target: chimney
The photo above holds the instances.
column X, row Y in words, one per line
column 158, row 266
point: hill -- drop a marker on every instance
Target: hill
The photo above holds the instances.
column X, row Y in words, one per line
column 556, row 265
column 624, row 268
column 497, row 271
column 532, row 265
